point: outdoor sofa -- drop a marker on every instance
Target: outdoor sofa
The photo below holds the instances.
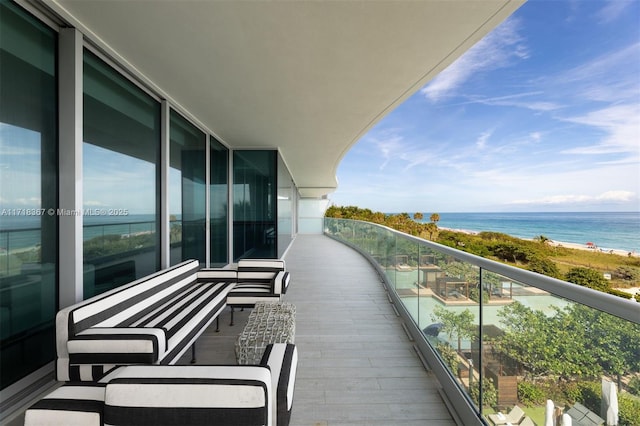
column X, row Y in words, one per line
column 153, row 320
column 180, row 395
column 256, row 280
column 116, row 354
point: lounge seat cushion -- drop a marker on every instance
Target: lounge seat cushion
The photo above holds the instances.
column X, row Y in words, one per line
column 74, row 404
column 188, row 395
column 118, row 345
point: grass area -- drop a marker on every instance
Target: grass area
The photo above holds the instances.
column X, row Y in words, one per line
column 535, row 412
column 592, row 259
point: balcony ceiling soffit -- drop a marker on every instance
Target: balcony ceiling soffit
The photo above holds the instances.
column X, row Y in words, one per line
column 309, row 78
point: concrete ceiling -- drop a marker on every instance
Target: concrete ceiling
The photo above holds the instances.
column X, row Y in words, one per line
column 307, row 77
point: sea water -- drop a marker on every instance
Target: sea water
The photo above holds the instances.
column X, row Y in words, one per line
column 607, row 230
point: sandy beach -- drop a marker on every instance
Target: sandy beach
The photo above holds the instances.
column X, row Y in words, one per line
column 565, row 244
column 592, row 248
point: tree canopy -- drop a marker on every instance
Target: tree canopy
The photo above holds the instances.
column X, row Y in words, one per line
column 576, row 341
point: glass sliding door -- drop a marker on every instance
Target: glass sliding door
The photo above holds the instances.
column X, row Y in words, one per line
column 219, row 203
column 121, row 179
column 187, row 197
column 28, row 194
column 254, row 204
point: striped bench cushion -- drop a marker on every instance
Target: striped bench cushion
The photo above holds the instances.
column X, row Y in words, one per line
column 161, row 335
column 74, row 404
column 259, row 270
column 189, row 395
column 125, row 300
column 117, row 346
column 128, row 302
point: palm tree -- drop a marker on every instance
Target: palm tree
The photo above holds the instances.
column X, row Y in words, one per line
column 542, row 239
column 418, row 216
column 431, row 229
column 435, row 217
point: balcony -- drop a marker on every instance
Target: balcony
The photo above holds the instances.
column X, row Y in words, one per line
column 361, row 355
column 496, row 336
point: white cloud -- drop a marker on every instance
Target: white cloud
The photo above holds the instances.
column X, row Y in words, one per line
column 389, row 147
column 91, row 203
column 28, row 202
column 515, row 101
column 481, row 142
column 612, row 77
column 612, row 10
column 621, row 126
column 496, row 50
column 609, row 196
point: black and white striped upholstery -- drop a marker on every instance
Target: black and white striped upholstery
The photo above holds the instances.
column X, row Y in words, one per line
column 282, row 360
column 178, row 395
column 153, row 320
column 74, row 404
column 189, row 395
column 258, row 280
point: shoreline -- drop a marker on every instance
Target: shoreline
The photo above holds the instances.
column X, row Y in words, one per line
column 554, row 243
column 584, row 247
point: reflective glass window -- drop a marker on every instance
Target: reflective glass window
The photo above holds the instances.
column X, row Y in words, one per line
column 187, row 197
column 254, row 204
column 121, row 179
column 219, row 203
column 28, row 194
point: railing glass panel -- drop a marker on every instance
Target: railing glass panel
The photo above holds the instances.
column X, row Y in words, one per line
column 503, row 336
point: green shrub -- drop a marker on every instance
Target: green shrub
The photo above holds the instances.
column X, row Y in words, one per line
column 530, row 393
column 634, row 385
column 572, row 392
column 448, row 355
column 590, row 395
column 489, row 393
column 619, row 293
column 629, row 410
column 587, row 277
column 627, row 273
column 543, row 266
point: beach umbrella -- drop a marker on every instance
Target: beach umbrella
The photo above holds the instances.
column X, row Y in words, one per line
column 433, row 329
column 566, row 420
column 609, row 405
column 548, row 413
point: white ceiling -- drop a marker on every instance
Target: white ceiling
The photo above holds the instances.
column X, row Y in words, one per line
column 306, row 77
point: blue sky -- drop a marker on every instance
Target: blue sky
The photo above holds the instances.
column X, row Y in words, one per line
column 543, row 114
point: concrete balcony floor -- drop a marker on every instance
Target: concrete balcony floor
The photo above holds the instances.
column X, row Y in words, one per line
column 356, row 364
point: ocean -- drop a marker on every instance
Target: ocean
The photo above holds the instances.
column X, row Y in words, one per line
column 607, row 230
column 19, row 232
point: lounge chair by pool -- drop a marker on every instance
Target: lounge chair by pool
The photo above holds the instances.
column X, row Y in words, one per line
column 514, row 417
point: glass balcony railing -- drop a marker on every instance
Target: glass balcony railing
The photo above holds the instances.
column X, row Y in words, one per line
column 498, row 337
